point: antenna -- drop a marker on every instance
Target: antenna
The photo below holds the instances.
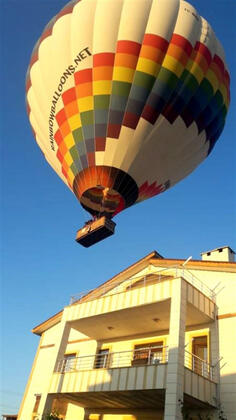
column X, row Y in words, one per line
column 186, row 262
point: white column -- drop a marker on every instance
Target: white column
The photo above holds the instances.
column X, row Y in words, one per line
column 60, row 346
column 175, row 368
column 62, row 342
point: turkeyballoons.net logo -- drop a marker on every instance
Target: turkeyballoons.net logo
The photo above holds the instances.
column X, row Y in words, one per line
column 83, row 54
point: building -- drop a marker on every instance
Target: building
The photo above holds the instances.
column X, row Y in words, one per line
column 9, row 417
column 157, row 341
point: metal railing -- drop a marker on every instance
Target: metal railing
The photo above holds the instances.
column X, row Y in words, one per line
column 196, row 282
column 143, row 281
column 145, row 356
column 199, row 366
column 105, row 360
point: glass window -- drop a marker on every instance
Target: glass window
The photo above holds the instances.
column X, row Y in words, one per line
column 149, row 353
column 69, row 362
column 101, row 359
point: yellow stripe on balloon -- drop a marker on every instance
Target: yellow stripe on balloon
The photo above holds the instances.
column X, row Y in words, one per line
column 71, row 176
column 148, row 66
column 85, row 104
column 123, row 74
column 68, row 159
column 69, row 141
column 223, row 91
column 195, row 70
column 212, row 79
column 102, row 87
column 173, row 65
column 74, row 122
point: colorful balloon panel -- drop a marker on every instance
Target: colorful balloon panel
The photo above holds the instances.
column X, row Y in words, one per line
column 126, row 101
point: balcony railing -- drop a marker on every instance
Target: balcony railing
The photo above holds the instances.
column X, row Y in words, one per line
column 199, row 366
column 161, row 275
column 137, row 357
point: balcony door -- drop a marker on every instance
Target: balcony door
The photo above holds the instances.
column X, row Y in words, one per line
column 200, row 350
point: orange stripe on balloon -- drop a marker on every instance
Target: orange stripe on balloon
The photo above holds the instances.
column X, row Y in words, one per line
column 126, row 60
column 152, row 53
column 200, row 60
column 178, row 53
column 84, row 90
column 71, row 109
column 65, row 129
column 102, row 73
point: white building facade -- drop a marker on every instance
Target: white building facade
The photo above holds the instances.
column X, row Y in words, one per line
column 157, row 341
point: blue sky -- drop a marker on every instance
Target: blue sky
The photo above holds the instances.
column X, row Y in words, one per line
column 41, row 264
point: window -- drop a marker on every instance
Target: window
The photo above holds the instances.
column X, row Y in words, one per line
column 150, row 353
column 69, row 362
column 101, row 359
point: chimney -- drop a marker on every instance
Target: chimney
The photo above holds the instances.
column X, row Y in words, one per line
column 225, row 253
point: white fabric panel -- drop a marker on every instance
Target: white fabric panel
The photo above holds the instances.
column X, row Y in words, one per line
column 133, row 30
column 163, row 17
column 106, row 25
column 82, row 30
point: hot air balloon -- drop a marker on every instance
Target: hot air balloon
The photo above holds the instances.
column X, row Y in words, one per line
column 125, row 99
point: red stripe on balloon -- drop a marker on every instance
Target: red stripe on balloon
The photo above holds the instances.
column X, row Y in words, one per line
column 61, row 117
column 91, row 159
column 34, row 58
column 130, row 120
column 103, row 59
column 83, row 76
column 48, row 30
column 219, row 63
column 69, row 96
column 182, row 42
column 59, row 156
column 58, row 137
column 201, row 48
column 156, row 42
column 100, row 144
column 28, row 84
column 66, row 10
column 128, row 47
column 113, row 131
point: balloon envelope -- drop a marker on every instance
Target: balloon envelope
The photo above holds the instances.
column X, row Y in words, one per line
column 126, row 98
